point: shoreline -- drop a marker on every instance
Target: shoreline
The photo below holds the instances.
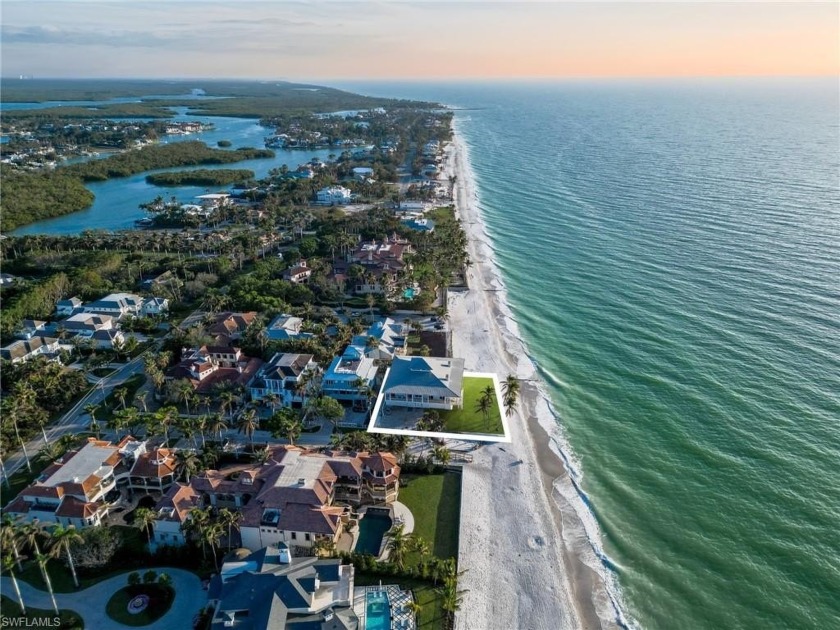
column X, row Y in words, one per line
column 517, row 498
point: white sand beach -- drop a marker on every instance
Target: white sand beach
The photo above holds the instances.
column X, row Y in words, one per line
column 523, row 539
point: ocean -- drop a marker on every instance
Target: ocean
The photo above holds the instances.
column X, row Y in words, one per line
column 671, row 253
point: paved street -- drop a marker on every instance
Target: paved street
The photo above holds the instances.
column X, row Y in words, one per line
column 190, row 598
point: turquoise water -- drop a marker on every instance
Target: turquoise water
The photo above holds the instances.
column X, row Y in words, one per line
column 672, row 255
column 408, row 294
column 372, row 528
column 377, row 611
column 117, row 200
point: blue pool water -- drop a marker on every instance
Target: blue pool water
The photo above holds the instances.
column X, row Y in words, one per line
column 378, row 611
column 372, row 528
column 408, row 294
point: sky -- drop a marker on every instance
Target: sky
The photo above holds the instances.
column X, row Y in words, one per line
column 416, row 40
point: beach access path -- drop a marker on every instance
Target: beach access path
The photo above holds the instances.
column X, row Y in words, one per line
column 527, row 560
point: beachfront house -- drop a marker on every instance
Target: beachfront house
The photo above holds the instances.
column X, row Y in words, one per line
column 289, row 499
column 424, row 382
column 271, row 588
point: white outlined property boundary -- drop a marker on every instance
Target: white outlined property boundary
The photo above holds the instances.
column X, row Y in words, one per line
column 478, row 437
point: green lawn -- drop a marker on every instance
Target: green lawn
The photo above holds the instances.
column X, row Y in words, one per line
column 36, row 617
column 467, row 419
column 435, row 502
column 160, row 601
column 431, row 615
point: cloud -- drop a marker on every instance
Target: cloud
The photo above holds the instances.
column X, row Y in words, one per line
column 50, row 35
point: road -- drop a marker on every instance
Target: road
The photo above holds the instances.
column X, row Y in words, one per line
column 70, row 422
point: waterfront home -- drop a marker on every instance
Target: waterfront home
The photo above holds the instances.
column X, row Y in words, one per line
column 67, row 307
column 227, row 328
column 350, row 376
column 424, row 382
column 23, row 350
column 284, row 375
column 333, row 196
column 214, row 201
column 420, row 225
column 299, row 273
column 207, row 366
column 270, row 588
column 71, row 490
column 291, row 498
column 285, row 327
column 116, row 305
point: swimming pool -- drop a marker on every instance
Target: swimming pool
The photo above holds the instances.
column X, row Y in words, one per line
column 377, row 611
column 372, row 528
column 408, row 294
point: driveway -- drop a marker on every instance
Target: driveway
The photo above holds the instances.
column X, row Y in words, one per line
column 190, row 598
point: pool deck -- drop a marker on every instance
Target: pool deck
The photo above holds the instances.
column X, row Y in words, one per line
column 401, row 616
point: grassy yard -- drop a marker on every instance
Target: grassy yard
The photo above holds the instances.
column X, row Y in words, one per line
column 467, row 419
column 431, row 615
column 36, row 617
column 435, row 502
column 160, row 601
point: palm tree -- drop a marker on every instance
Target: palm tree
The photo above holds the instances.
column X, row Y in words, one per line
column 286, row 423
column 142, row 398
column 8, row 568
column 510, row 392
column 248, row 423
column 217, row 425
column 42, row 560
column 229, row 519
column 414, row 607
column 398, row 546
column 212, row 535
column 442, row 454
column 144, row 518
column 61, row 540
column 13, row 410
column 188, row 463
column 9, row 537
column 166, row 417
column 484, row 405
column 120, row 393
column 418, row 545
column 32, row 533
column 228, row 400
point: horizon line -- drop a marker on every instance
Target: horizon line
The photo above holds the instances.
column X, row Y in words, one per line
column 20, row 77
